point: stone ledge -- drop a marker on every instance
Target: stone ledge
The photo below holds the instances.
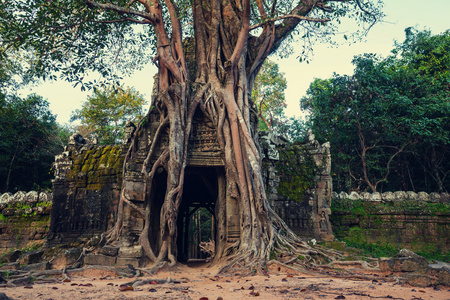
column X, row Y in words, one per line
column 404, row 264
column 99, row 260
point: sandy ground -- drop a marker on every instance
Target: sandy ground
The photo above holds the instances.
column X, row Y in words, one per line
column 197, row 281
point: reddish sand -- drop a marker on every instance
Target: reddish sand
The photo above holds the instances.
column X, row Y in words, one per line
column 199, row 282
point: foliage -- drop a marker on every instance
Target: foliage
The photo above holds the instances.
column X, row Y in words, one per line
column 268, row 95
column 29, row 141
column 387, row 115
column 106, row 112
column 71, row 38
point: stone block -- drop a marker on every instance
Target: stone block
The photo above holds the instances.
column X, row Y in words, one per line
column 420, row 280
column 124, row 261
column 109, row 250
column 354, row 196
column 423, row 196
column 388, row 196
column 400, row 196
column 99, row 260
column 36, row 267
column 435, row 197
column 412, row 196
column 375, row 197
column 68, row 257
column 441, row 271
column 14, row 256
column 404, row 264
column 131, row 252
column 32, row 257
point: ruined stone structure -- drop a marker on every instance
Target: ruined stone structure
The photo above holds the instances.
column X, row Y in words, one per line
column 24, row 220
column 416, row 221
column 306, row 214
column 89, row 177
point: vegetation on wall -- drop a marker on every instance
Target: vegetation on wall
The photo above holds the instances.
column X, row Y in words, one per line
column 297, row 169
column 378, row 228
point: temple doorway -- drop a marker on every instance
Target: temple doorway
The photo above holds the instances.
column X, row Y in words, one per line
column 196, row 219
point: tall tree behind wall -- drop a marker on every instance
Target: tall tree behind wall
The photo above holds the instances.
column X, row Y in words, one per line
column 389, row 123
column 29, row 141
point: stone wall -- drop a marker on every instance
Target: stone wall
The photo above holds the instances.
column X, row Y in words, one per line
column 24, row 219
column 88, row 181
column 86, row 190
column 299, row 184
column 417, row 221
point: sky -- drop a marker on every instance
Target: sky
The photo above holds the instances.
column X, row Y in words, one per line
column 400, row 14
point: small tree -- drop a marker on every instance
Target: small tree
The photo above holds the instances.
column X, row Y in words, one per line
column 105, row 113
column 268, row 95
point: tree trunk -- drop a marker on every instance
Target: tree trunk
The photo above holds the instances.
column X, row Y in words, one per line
column 226, row 60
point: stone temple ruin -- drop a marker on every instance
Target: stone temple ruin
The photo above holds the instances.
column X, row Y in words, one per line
column 88, row 180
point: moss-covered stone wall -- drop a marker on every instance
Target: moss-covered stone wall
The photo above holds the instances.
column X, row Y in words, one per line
column 24, row 220
column 421, row 226
column 86, row 190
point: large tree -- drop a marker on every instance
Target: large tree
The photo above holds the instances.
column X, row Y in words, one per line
column 388, row 123
column 208, row 54
column 29, row 141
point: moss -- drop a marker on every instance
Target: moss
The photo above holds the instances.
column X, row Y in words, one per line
column 298, row 171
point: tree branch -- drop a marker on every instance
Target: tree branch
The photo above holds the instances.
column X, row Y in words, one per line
column 122, row 10
column 288, row 17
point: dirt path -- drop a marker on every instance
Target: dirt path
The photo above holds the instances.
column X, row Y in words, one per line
column 199, row 282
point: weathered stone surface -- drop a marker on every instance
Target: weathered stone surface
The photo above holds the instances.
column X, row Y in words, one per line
column 36, row 267
column 32, row 257
column 5, row 198
column 400, row 196
column 407, row 253
column 420, row 280
column 13, row 256
column 109, row 250
column 99, row 259
column 131, row 252
column 441, row 271
column 354, row 196
column 32, row 197
column 375, row 197
column 67, row 257
column 19, row 197
column 366, row 196
column 412, row 196
column 423, row 196
column 124, row 261
column 404, row 264
column 388, row 196
column 343, row 195
column 435, row 197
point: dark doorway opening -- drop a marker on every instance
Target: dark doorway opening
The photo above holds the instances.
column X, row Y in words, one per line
column 196, row 219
